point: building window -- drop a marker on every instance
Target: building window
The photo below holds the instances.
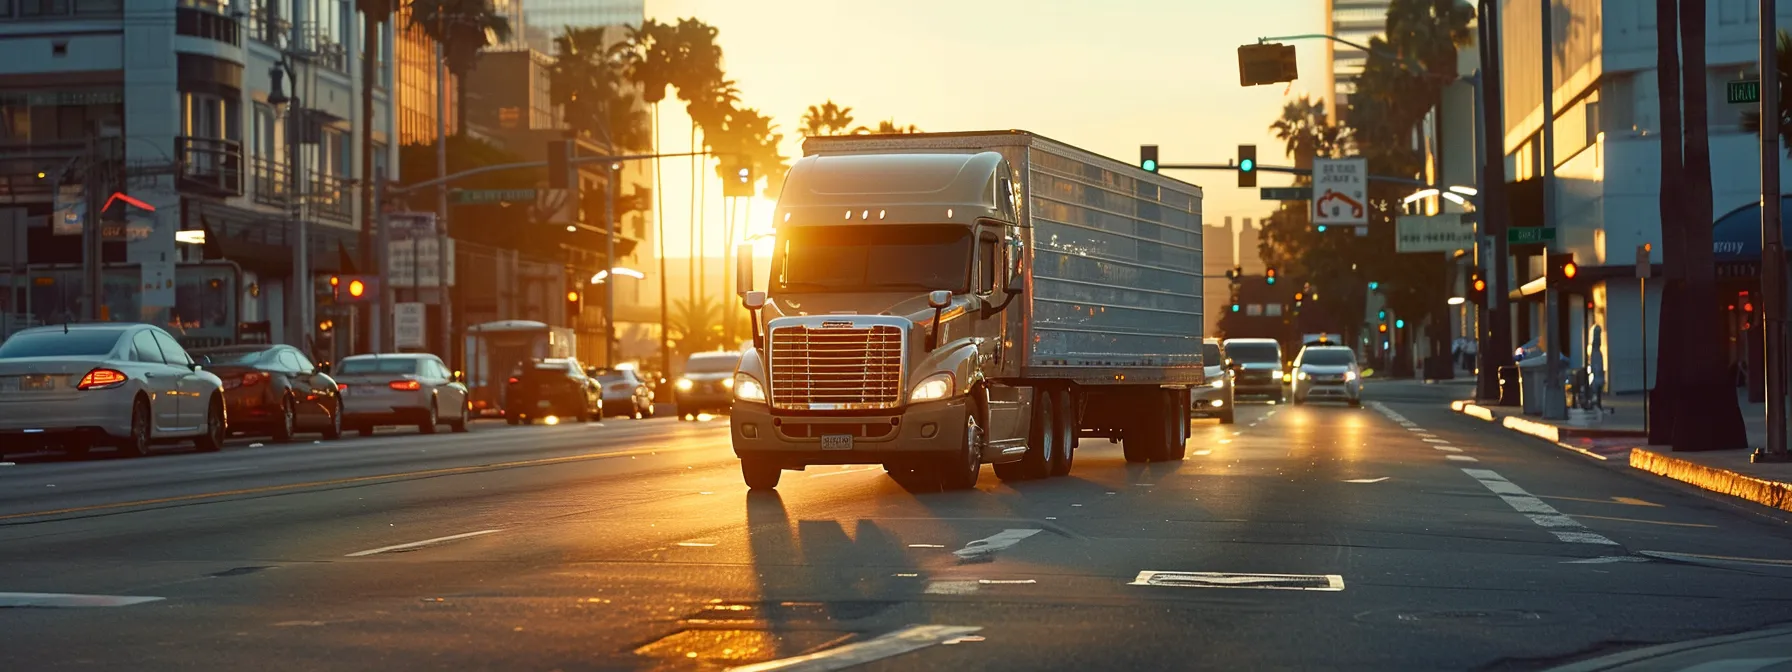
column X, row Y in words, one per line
column 58, row 116
column 508, row 117
column 204, row 115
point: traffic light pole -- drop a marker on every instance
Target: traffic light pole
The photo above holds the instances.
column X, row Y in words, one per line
column 1773, row 250
column 1555, row 406
column 610, row 180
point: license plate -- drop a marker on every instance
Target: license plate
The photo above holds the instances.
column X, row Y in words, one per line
column 542, row 404
column 836, row 442
column 27, row 383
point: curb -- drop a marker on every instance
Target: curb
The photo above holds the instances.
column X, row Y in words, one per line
column 1541, row 430
column 1644, row 655
column 1764, row 492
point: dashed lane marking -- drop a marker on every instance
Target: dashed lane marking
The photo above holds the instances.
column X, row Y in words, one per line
column 1606, row 560
column 1650, row 522
column 1545, row 516
column 1460, row 458
column 1629, row 501
column 1319, row 582
column 1367, row 480
column 1447, row 449
column 909, row 639
column 67, row 600
column 1436, row 440
column 416, row 544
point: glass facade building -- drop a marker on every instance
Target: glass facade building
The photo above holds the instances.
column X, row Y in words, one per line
column 545, row 19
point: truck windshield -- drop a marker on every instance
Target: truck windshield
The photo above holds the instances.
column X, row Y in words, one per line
column 921, row 257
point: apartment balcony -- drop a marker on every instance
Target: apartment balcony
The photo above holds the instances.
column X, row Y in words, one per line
column 209, row 166
column 327, row 196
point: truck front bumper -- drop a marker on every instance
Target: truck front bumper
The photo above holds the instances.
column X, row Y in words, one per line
column 919, row 432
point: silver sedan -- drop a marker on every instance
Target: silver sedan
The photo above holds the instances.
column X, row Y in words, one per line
column 125, row 386
column 400, row 389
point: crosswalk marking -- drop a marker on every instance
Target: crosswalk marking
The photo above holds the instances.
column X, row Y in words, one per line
column 1545, row 516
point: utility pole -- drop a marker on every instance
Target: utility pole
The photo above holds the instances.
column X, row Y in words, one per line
column 611, row 182
column 442, row 254
column 1496, row 351
column 1773, row 248
column 382, row 309
column 1554, row 405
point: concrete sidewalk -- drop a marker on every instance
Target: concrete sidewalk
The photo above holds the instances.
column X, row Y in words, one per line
column 1619, row 436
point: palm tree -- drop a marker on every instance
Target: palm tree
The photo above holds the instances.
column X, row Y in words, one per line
column 826, row 119
column 463, row 28
column 698, row 325
column 1306, row 132
column 588, row 78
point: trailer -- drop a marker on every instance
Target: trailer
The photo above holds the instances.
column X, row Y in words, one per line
column 494, row 349
column 941, row 301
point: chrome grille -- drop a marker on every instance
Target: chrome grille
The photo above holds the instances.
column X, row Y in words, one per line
column 836, row 368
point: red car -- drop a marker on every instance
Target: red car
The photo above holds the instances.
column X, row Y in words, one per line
column 274, row 390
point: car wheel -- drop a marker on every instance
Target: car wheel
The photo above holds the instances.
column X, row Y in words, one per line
column 430, row 420
column 333, row 431
column 137, row 444
column 289, row 421
column 760, row 473
column 459, row 426
column 213, row 439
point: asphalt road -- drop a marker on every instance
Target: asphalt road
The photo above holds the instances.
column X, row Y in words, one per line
column 1419, row 539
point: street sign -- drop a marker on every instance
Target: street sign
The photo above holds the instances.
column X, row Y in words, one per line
column 415, row 263
column 1433, row 233
column 1341, row 187
column 485, row 196
column 1286, row 193
column 1529, row 235
column 408, row 325
column 1744, row 91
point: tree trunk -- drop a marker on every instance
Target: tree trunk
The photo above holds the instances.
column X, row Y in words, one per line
column 1664, row 397
column 1707, row 392
column 1497, row 350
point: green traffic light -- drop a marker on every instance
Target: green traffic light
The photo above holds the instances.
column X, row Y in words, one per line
column 1376, row 285
column 1401, row 324
column 1150, row 165
column 1234, row 307
column 1272, row 279
column 1248, row 165
column 1381, row 315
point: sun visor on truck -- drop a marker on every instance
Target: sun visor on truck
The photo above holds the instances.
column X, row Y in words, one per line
column 833, row 189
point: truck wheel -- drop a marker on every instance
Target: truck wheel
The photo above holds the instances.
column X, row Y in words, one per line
column 1176, row 412
column 1149, row 434
column 960, row 470
column 759, row 473
column 1042, row 437
column 1064, row 412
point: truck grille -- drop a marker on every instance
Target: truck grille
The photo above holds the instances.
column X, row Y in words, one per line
column 836, row 368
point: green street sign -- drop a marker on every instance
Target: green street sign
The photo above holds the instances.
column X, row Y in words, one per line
column 1529, row 235
column 1744, row 91
column 1286, row 193
column 487, row 196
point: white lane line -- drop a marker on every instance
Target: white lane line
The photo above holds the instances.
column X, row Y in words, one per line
column 1367, row 480
column 846, row 471
column 1203, row 452
column 1448, row 449
column 1545, row 516
column 1460, row 458
column 1606, row 560
column 1415, row 429
column 999, row 541
column 67, row 600
column 416, row 544
column 1321, row 582
column 951, row 587
column 696, row 544
column 906, row 640
column 225, row 469
column 1435, row 440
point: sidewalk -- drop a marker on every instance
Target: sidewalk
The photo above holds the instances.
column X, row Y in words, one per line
column 1619, row 436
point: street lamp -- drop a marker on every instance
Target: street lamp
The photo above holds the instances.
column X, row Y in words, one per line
column 600, row 276
column 299, row 294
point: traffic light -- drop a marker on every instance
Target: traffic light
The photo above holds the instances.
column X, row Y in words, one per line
column 1399, row 324
column 575, row 302
column 1561, row 267
column 1247, row 165
column 559, row 164
column 355, row 288
column 1269, row 275
column 1477, row 289
column 1148, row 158
column 1381, row 315
column 1267, row 64
column 1235, row 307
column 1373, row 285
column 1383, row 327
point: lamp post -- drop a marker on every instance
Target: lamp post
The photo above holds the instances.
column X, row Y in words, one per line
column 300, row 296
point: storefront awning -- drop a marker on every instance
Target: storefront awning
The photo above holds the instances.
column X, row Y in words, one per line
column 1736, row 236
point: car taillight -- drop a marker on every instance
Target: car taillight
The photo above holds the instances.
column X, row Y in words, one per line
column 342, row 387
column 513, row 380
column 254, row 377
column 101, row 378
column 405, row 385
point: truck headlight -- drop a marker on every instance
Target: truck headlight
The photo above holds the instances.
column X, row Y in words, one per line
column 1218, row 384
column 683, row 384
column 745, row 388
column 936, row 386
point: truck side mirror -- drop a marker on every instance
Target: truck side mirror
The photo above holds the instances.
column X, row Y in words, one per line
column 937, row 300
column 753, row 301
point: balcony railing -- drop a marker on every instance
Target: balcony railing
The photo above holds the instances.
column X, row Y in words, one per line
column 270, row 182
column 326, row 196
column 210, row 166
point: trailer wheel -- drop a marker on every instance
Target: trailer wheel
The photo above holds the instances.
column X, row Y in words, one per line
column 1176, row 413
column 1064, row 411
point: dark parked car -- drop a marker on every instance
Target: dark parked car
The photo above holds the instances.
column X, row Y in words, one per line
column 707, row 384
column 556, row 388
column 274, row 390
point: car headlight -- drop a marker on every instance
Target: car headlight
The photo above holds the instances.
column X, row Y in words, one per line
column 683, row 384
column 745, row 388
column 729, row 383
column 1349, row 376
column 1287, row 377
column 1218, row 384
column 936, row 386
column 1302, row 375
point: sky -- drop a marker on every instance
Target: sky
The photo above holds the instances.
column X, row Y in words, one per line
column 1104, row 75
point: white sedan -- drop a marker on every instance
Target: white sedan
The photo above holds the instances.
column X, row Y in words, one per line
column 400, row 389
column 113, row 384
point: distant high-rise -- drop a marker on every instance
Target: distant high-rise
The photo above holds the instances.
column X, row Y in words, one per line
column 1357, row 21
column 547, row 18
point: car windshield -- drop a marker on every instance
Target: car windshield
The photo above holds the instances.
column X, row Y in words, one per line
column 1254, row 353
column 75, row 343
column 1328, row 357
column 914, row 257
column 230, row 357
column 377, row 365
column 613, row 378
column 1210, row 355
column 712, row 365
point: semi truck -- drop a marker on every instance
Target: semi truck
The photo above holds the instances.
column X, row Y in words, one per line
column 941, row 301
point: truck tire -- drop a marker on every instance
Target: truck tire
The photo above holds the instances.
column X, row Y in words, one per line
column 960, row 470
column 760, row 473
column 1151, row 435
column 1064, row 411
column 1176, row 412
column 1042, row 439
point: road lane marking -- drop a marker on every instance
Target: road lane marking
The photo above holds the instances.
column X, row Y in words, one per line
column 1436, row 440
column 951, row 587
column 402, row 475
column 989, row 546
column 1650, row 522
column 1606, row 560
column 220, row 471
column 1448, row 449
column 1716, row 559
column 1203, row 452
column 907, row 640
column 1630, row 501
column 696, row 544
column 1563, row 527
column 926, row 545
column 1460, row 458
column 1319, row 582
column 416, row 544
column 1367, row 480
column 69, row 600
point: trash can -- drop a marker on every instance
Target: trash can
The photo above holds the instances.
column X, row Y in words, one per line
column 1532, row 372
column 1509, row 394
